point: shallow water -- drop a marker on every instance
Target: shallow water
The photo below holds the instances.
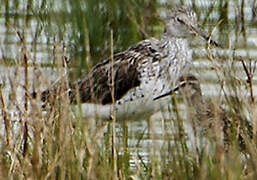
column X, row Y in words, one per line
column 202, row 69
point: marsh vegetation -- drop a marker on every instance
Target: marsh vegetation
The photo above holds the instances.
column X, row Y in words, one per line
column 48, row 42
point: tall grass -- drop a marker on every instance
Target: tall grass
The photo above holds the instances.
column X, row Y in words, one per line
column 62, row 144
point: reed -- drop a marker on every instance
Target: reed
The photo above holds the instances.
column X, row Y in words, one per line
column 60, row 143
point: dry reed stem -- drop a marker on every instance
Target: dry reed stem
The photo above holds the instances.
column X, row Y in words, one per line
column 25, row 137
column 249, row 73
column 113, row 113
column 6, row 121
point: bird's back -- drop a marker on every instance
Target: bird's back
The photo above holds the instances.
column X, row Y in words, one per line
column 133, row 78
column 140, row 73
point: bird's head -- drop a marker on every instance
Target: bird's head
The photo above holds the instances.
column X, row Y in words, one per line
column 189, row 86
column 182, row 22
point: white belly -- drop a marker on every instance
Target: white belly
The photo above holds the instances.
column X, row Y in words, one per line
column 141, row 108
column 156, row 78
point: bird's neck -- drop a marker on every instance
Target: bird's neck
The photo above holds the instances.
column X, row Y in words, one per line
column 179, row 42
column 198, row 108
column 166, row 37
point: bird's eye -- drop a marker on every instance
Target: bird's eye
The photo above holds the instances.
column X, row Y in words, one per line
column 179, row 20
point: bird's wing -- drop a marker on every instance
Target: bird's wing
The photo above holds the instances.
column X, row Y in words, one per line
column 95, row 86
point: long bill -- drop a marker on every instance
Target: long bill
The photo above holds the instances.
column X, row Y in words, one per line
column 204, row 35
column 180, row 85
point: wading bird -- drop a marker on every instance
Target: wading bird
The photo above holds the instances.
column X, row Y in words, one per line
column 131, row 79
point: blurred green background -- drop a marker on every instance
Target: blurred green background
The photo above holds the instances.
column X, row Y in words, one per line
column 84, row 26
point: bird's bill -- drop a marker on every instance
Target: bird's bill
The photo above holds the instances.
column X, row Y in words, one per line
column 186, row 81
column 171, row 92
column 204, row 35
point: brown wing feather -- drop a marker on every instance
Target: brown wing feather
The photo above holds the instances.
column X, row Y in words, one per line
column 94, row 87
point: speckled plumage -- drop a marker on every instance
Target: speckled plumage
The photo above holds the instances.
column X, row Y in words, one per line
column 142, row 72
